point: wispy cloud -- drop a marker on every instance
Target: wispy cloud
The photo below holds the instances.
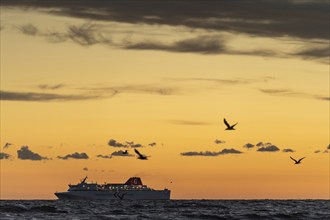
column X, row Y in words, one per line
column 139, row 88
column 248, row 146
column 288, row 150
column 320, row 52
column 26, row 154
column 324, row 151
column 292, row 93
column 152, row 144
column 75, row 155
column 220, row 81
column 50, row 87
column 46, row 97
column 28, row 29
column 202, row 44
column 86, row 34
column 187, row 122
column 218, row 141
column 212, row 20
column 307, row 20
column 4, row 156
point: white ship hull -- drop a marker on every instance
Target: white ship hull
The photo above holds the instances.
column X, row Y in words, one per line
column 116, row 195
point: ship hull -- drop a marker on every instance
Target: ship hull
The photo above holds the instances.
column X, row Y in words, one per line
column 115, row 195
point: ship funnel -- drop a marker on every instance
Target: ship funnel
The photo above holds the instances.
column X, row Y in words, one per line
column 134, row 181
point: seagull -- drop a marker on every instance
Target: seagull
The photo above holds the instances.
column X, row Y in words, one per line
column 125, row 152
column 229, row 127
column 297, row 161
column 7, row 145
column 141, row 156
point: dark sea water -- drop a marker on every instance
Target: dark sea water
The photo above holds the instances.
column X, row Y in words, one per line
column 173, row 209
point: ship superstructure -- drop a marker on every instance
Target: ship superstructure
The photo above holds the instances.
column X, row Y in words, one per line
column 132, row 189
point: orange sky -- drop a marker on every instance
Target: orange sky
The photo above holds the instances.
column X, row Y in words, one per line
column 70, row 83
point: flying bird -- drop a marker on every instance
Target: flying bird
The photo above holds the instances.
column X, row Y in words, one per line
column 125, row 152
column 229, row 127
column 297, row 161
column 7, row 145
column 140, row 156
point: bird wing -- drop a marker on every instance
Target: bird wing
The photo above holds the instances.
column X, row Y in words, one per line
column 234, row 125
column 226, row 123
column 301, row 159
column 294, row 160
column 136, row 151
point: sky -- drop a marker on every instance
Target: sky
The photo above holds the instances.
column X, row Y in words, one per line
column 83, row 81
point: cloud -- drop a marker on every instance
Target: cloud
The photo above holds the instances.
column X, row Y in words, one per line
column 50, row 87
column 45, row 97
column 306, row 22
column 114, row 143
column 152, row 144
column 104, row 156
column 26, row 154
column 260, row 144
column 186, row 122
column 86, row 34
column 267, row 18
column 230, row 151
column 202, row 44
column 201, row 153
column 217, row 141
column 217, row 80
column 291, row 93
column 28, row 29
column 4, row 156
column 133, row 145
column 143, row 88
column 121, row 154
column 268, row 148
column 324, row 151
column 287, row 150
column 75, row 155
column 85, row 169
column 89, row 94
column 319, row 52
column 210, row 153
column 248, row 145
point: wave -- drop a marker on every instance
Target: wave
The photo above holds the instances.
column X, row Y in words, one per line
column 19, row 208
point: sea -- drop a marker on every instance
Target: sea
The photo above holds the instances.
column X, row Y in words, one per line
column 172, row 209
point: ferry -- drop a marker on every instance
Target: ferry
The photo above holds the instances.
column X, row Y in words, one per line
column 132, row 189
